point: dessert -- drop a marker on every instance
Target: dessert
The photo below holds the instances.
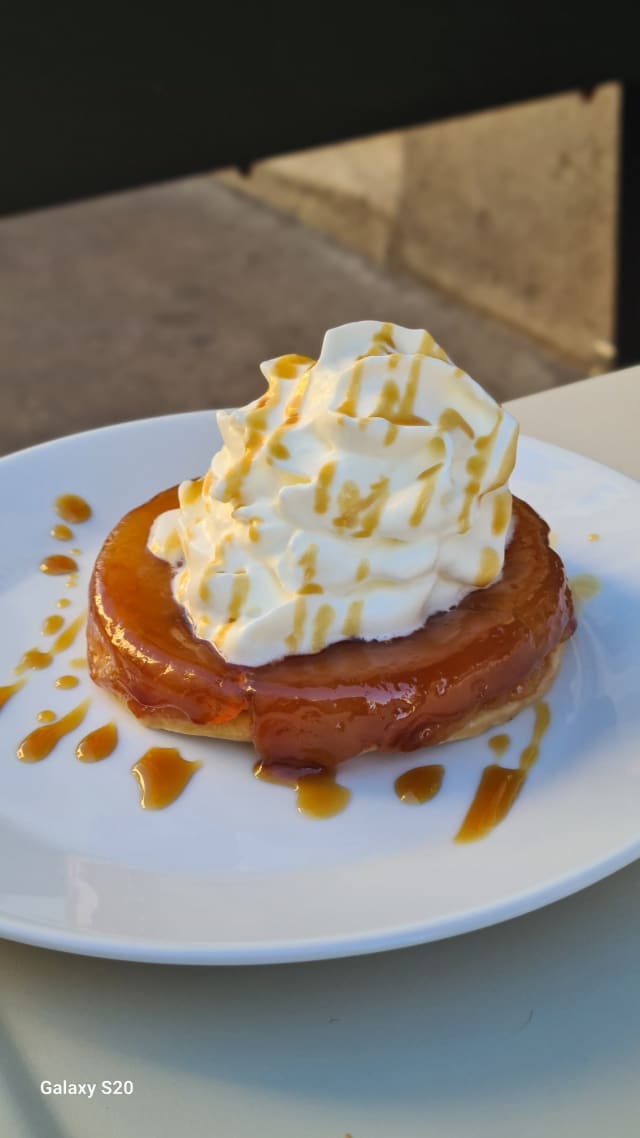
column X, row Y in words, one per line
column 351, row 574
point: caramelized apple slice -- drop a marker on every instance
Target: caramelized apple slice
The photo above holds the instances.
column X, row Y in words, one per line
column 354, row 696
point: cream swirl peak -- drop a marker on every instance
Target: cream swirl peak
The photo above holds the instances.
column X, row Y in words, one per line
column 359, row 495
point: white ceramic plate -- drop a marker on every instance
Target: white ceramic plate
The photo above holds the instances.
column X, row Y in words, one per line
column 231, row 873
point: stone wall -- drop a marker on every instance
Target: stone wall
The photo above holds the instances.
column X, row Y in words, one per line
column 511, row 211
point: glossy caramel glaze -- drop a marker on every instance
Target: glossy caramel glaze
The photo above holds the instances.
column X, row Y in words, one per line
column 98, row 744
column 8, row 691
column 354, row 696
column 498, row 789
column 318, row 795
column 52, row 624
column 40, row 743
column 72, row 508
column 57, row 564
column 162, row 775
column 420, row 784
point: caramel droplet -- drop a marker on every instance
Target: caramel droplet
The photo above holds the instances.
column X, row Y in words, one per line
column 41, row 742
column 10, row 690
column 57, row 564
column 542, row 719
column 498, row 789
column 162, row 775
column 98, row 744
column 72, row 508
column 499, row 744
column 63, row 603
column 52, row 624
column 66, row 638
column 35, row 659
column 419, row 784
column 65, row 682
column 61, row 533
column 318, row 794
column 46, row 716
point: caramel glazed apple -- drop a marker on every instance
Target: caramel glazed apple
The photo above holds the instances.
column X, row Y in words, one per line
column 351, row 574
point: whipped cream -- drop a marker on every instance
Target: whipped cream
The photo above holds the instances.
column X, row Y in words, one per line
column 358, row 496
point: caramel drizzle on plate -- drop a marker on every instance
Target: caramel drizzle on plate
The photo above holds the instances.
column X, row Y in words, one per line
column 500, row 786
column 40, row 743
column 318, row 795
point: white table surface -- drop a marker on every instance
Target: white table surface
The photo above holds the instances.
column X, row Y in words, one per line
column 528, row 1028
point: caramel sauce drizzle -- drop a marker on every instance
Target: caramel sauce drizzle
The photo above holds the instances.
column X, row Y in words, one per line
column 353, row 619
column 256, row 421
column 57, row 564
column 363, row 570
column 499, row 744
column 299, row 614
column 52, row 624
column 61, row 533
column 593, row 537
column 321, row 493
column 501, row 512
column 476, row 467
column 398, row 409
column 382, row 341
column 542, row 719
column 291, row 415
column 35, row 659
column 63, row 603
column 78, row 662
column 257, row 424
column 451, row 420
column 9, row 690
column 287, row 367
column 190, row 492
column 46, row 716
column 162, row 775
column 239, row 593
column 254, row 531
column 98, row 744
column 364, row 512
column 500, row 786
column 68, row 635
column 498, row 789
column 318, row 795
column 308, row 564
column 420, row 784
column 65, row 682
column 489, row 567
column 428, row 478
column 321, row 624
column 72, row 508
column 40, row 743
column 349, row 404
column 428, row 347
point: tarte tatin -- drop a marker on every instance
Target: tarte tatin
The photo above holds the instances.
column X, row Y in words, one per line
column 467, row 670
column 352, row 573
